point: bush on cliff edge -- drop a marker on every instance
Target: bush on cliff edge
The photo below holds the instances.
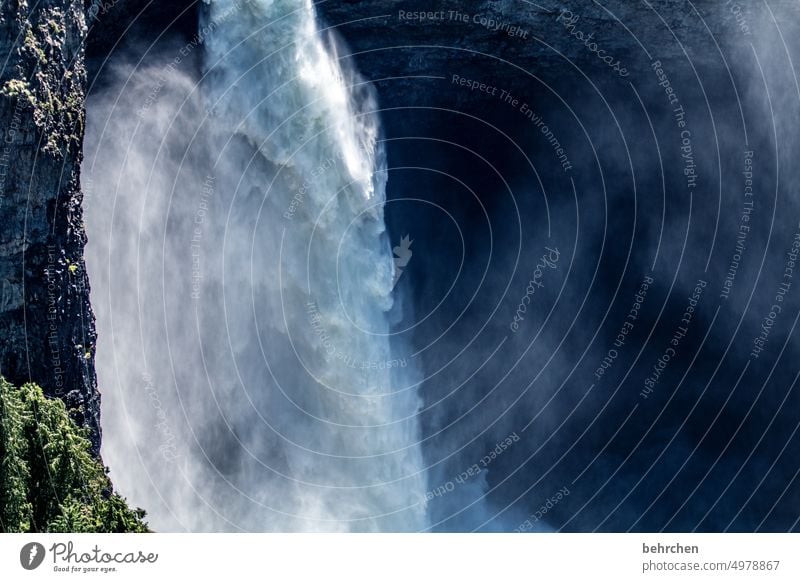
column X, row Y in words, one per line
column 49, row 481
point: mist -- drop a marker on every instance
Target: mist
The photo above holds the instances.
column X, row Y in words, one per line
column 243, row 285
column 329, row 302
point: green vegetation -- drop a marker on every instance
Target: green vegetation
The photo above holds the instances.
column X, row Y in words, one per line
column 49, row 481
column 50, row 77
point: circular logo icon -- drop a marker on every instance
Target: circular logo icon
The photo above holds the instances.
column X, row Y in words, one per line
column 31, row 555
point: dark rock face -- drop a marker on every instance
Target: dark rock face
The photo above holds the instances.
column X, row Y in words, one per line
column 511, row 43
column 135, row 28
column 47, row 332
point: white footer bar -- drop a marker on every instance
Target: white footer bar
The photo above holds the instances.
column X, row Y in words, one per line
column 401, row 557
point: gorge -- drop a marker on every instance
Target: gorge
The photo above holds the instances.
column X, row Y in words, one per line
column 253, row 175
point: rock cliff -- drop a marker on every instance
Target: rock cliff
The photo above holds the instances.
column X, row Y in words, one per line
column 47, row 332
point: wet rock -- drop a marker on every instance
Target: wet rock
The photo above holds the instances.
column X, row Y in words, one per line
column 47, row 332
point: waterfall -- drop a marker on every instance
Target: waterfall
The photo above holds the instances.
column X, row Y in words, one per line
column 243, row 285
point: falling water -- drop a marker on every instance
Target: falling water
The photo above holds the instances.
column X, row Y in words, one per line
column 243, row 285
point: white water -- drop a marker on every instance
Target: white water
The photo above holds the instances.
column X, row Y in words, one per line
column 241, row 279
